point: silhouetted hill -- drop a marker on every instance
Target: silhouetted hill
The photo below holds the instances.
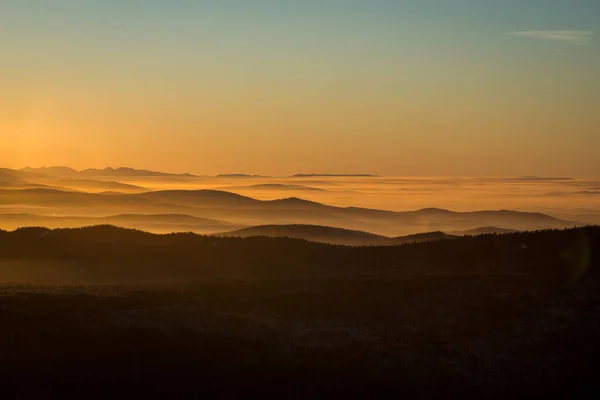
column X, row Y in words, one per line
column 509, row 214
column 27, row 186
column 276, row 187
column 60, row 178
column 555, row 254
column 334, row 175
column 433, row 211
column 542, row 178
column 296, row 202
column 420, row 237
column 128, row 172
column 63, row 172
column 332, row 235
column 157, row 223
column 93, row 184
column 315, row 233
column 113, row 312
column 594, row 192
column 484, row 230
column 200, row 198
column 240, row 176
column 11, row 176
column 524, row 179
column 58, row 171
column 242, row 210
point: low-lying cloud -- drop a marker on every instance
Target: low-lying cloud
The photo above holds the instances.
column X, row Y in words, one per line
column 579, row 38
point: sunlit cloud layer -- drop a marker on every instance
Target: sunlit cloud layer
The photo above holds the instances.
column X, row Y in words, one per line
column 580, row 38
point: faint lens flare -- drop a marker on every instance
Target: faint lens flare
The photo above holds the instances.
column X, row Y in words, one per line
column 577, row 256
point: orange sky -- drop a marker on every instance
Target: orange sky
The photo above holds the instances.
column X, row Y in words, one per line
column 355, row 93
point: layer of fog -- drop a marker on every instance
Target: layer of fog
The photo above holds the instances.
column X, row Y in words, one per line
column 411, row 193
column 571, row 200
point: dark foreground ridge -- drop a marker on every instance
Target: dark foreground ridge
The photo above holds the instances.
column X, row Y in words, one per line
column 109, row 311
column 335, row 176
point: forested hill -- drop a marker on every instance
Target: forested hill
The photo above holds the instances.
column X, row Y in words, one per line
column 560, row 253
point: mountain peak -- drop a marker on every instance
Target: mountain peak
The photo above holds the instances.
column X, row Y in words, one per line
column 433, row 210
column 295, row 201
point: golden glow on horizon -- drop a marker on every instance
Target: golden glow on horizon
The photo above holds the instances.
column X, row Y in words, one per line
column 284, row 135
column 390, row 98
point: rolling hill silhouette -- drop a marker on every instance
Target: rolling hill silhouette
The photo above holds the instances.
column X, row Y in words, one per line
column 276, row 187
column 484, row 230
column 200, row 198
column 419, row 237
column 240, row 176
column 242, row 210
column 331, row 235
column 100, row 185
column 106, row 172
column 139, row 255
column 57, row 171
column 314, row 233
column 108, row 310
column 156, row 223
column 60, row 178
column 334, row 176
column 11, row 176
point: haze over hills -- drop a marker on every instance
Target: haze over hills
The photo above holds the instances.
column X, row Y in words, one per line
column 245, row 211
column 331, row 235
column 57, row 171
column 62, row 171
column 66, row 192
column 94, row 185
column 12, row 176
column 313, row 233
column 542, row 178
column 8, row 176
column 106, row 172
column 240, row 176
column 299, row 199
column 275, row 187
column 60, row 178
column 170, row 223
column 155, row 223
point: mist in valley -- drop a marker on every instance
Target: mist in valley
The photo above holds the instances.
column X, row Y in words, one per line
column 386, row 206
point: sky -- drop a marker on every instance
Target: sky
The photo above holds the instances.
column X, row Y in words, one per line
column 390, row 87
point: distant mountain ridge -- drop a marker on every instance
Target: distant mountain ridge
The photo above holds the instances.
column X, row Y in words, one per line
column 57, row 171
column 247, row 211
column 241, row 176
column 166, row 223
column 277, row 186
column 60, row 171
column 332, row 235
column 334, row 175
column 13, row 176
column 104, row 185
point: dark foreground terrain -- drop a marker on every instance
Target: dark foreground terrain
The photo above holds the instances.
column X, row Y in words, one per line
column 104, row 311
